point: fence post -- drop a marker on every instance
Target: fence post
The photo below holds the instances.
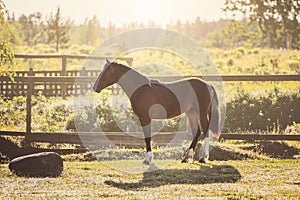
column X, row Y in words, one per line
column 30, row 86
column 83, row 86
column 63, row 73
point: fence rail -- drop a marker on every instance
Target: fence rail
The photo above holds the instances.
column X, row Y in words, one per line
column 72, row 85
column 128, row 139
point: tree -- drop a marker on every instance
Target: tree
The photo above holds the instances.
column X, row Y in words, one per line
column 6, row 54
column 277, row 19
column 58, row 29
column 92, row 31
column 31, row 28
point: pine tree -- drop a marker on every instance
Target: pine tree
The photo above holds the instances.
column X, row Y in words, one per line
column 58, row 29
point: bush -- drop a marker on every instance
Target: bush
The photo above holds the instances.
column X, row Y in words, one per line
column 256, row 51
column 294, row 65
column 230, row 62
column 241, row 50
column 269, row 113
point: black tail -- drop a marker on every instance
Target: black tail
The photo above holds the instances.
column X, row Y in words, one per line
column 215, row 117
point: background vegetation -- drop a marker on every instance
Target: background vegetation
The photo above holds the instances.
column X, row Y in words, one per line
column 238, row 170
column 271, row 24
column 236, row 48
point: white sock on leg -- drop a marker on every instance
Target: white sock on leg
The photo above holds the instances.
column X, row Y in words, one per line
column 148, row 158
column 205, row 151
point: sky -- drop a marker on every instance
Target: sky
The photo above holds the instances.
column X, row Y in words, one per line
column 120, row 12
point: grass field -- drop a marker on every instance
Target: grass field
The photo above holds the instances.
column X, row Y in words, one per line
column 246, row 179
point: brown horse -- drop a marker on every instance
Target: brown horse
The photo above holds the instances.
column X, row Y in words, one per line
column 151, row 99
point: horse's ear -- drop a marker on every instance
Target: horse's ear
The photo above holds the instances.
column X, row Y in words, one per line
column 107, row 60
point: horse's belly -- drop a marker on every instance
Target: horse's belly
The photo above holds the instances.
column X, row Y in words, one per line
column 165, row 111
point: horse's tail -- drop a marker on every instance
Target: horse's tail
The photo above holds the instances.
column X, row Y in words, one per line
column 215, row 116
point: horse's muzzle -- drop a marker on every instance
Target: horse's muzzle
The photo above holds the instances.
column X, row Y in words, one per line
column 98, row 90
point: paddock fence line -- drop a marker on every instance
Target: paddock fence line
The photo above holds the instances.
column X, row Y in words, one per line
column 122, row 138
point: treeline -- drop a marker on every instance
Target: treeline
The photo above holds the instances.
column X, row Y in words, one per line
column 34, row 28
column 280, row 32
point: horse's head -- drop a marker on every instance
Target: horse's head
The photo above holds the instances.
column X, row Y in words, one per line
column 106, row 77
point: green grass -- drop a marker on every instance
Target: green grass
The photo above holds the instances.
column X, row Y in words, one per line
column 255, row 179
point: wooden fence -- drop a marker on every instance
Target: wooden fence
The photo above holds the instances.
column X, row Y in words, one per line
column 123, row 138
column 29, row 85
column 18, row 87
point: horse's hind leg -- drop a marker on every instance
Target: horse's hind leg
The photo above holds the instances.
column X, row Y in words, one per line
column 147, row 134
column 204, row 154
column 194, row 124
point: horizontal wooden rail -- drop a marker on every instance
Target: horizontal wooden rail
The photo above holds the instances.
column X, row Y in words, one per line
column 12, row 133
column 119, row 138
column 254, row 137
column 225, row 78
column 103, row 139
column 235, row 78
column 80, row 57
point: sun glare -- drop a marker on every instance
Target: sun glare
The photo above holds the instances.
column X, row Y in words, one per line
column 120, row 12
column 152, row 11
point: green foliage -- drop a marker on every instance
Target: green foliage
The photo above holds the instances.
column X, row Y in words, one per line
column 273, row 24
column 12, row 113
column 49, row 115
column 294, row 65
column 31, row 28
column 6, row 54
column 230, row 62
column 269, row 113
column 234, row 34
column 278, row 20
column 255, row 61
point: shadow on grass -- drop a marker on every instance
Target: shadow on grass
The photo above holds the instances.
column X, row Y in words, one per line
column 276, row 150
column 204, row 175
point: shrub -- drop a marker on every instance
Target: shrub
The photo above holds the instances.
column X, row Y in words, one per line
column 255, row 51
column 294, row 65
column 271, row 112
column 230, row 62
column 241, row 50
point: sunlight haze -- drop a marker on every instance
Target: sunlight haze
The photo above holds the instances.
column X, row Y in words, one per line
column 120, row 12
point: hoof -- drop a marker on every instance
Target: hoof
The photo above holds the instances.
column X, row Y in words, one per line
column 184, row 160
column 189, row 157
column 148, row 158
column 146, row 162
column 203, row 160
column 187, row 160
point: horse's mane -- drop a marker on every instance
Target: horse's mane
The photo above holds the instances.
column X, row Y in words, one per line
column 138, row 74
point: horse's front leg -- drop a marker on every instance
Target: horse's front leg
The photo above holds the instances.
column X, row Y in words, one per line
column 193, row 121
column 147, row 135
column 190, row 154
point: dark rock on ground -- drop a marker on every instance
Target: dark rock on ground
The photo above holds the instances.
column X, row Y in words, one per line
column 38, row 164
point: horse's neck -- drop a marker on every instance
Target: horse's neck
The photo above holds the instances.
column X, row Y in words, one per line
column 130, row 80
